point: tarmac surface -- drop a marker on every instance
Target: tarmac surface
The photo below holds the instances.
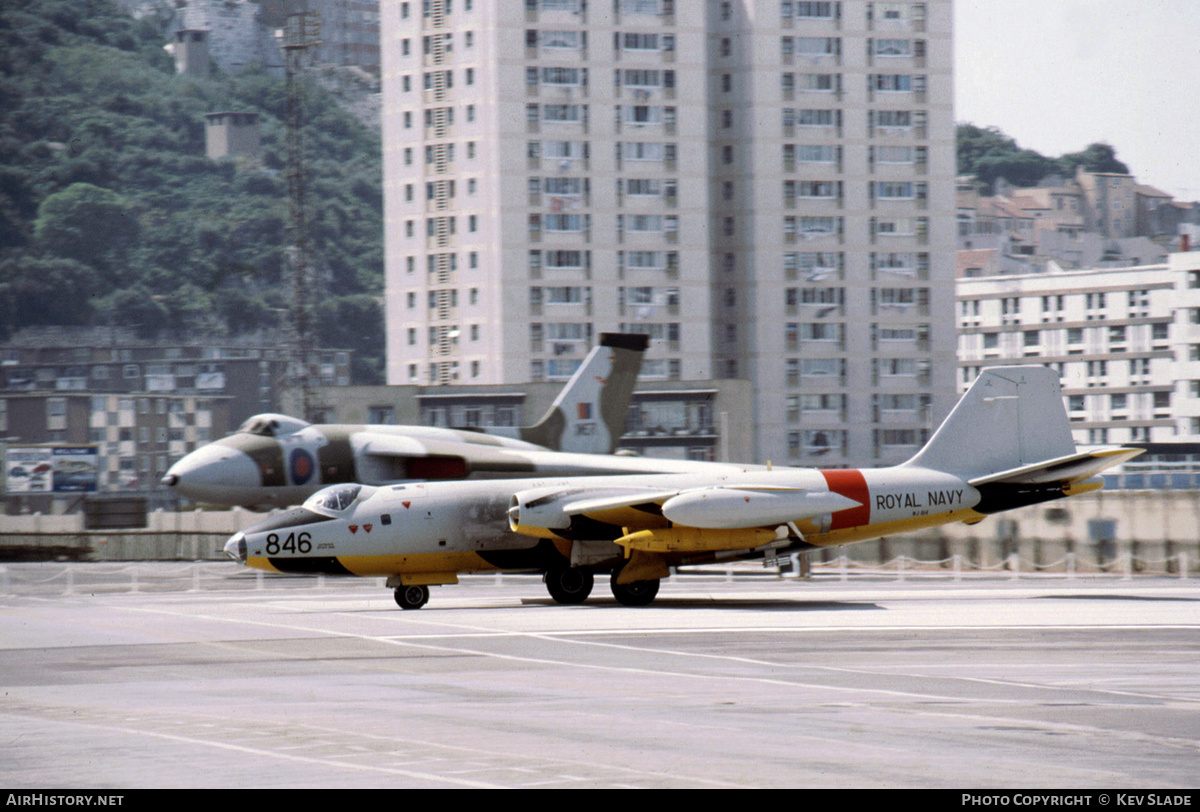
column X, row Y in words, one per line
column 171, row 675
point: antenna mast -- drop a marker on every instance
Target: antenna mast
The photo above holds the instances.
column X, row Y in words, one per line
column 301, row 32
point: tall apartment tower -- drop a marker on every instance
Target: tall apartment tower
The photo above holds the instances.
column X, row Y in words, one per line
column 765, row 187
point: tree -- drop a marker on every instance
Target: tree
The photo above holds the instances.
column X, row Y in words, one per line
column 1098, row 157
column 975, row 143
column 138, row 309
column 110, row 210
column 989, row 154
column 88, row 224
column 355, row 323
column 1022, row 168
column 45, row 290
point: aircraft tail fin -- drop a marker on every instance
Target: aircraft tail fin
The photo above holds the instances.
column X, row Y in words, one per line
column 1010, row 418
column 588, row 416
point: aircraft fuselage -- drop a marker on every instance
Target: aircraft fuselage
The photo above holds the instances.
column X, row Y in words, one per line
column 425, row 529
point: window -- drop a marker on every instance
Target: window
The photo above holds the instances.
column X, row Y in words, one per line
column 651, row 260
column 817, row 226
column 894, row 155
column 564, row 222
column 562, row 113
column 630, row 41
column 893, row 47
column 643, row 114
column 643, row 223
column 821, row 189
column 817, row 46
column 649, row 7
column 568, row 40
column 563, row 76
column 643, row 187
column 822, row 9
column 815, row 118
column 894, row 190
column 893, row 118
column 817, row 82
column 891, row 82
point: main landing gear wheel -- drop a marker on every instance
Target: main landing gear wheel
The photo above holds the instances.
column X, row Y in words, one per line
column 569, row 585
column 639, row 593
column 412, row 597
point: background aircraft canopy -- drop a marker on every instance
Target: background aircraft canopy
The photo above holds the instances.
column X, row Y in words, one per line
column 272, row 425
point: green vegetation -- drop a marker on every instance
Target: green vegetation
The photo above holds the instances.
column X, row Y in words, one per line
column 110, row 213
column 989, row 154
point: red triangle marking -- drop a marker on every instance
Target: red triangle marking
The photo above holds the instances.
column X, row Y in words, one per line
column 406, row 504
column 353, row 528
column 367, row 527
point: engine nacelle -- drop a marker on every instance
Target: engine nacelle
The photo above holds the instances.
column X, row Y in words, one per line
column 540, row 509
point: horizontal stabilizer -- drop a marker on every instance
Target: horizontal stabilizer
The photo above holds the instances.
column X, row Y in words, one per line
column 1065, row 470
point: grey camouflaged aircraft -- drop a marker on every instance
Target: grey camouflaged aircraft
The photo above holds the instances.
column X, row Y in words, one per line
column 275, row 461
column 1007, row 444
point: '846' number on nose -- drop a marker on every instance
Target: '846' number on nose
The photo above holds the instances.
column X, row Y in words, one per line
column 292, row 544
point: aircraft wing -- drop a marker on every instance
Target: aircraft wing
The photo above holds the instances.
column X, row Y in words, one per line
column 1066, row 470
column 663, row 520
column 385, row 457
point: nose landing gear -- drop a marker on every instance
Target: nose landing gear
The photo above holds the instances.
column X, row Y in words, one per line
column 411, row 597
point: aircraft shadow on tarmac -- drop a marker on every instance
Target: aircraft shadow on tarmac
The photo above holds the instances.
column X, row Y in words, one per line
column 784, row 605
column 1112, row 597
column 780, row 605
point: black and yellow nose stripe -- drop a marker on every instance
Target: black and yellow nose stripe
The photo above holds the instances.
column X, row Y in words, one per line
column 317, row 565
column 539, row 557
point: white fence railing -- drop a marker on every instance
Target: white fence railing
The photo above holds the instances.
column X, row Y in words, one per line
column 78, row 578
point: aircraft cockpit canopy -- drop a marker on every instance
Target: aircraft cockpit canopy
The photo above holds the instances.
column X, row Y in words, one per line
column 272, row 425
column 335, row 498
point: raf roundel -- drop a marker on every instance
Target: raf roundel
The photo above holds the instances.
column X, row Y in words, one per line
column 302, row 466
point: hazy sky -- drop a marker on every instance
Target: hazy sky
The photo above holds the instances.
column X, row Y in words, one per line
column 1057, row 75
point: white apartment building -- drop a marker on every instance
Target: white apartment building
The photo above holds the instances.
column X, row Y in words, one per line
column 764, row 187
column 1125, row 340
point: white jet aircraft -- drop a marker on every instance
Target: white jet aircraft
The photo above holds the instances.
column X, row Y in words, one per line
column 1005, row 445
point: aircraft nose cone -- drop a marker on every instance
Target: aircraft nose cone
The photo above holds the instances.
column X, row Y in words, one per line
column 235, row 548
column 214, row 473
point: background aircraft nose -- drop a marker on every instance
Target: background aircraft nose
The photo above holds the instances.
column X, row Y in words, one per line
column 214, row 473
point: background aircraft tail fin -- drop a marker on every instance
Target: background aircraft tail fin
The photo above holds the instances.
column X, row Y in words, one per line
column 1010, row 417
column 588, row 416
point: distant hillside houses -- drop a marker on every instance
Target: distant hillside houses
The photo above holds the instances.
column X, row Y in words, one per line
column 1094, row 220
column 241, row 33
